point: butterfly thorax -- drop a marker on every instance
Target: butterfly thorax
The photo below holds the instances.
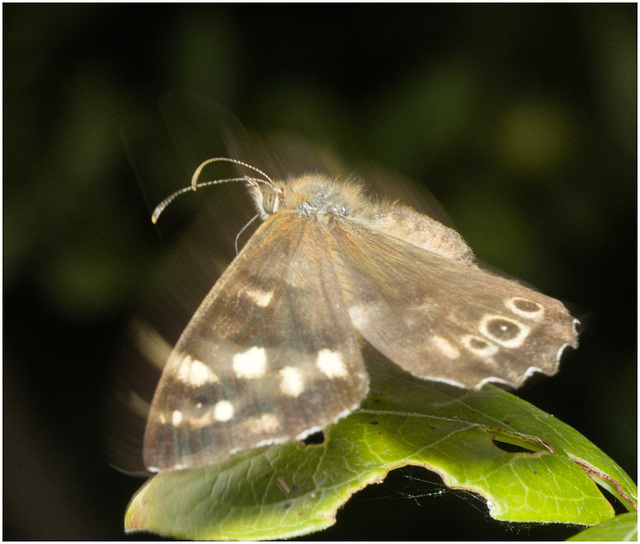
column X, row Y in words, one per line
column 309, row 195
column 324, row 199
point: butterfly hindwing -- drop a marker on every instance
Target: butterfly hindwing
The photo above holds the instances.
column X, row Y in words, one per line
column 269, row 356
column 445, row 320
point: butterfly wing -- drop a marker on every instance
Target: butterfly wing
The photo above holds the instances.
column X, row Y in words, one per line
column 269, row 356
column 445, row 320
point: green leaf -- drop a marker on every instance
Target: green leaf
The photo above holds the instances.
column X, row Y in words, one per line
column 291, row 489
column 620, row 528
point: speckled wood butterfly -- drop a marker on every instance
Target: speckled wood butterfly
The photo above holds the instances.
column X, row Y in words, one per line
column 272, row 354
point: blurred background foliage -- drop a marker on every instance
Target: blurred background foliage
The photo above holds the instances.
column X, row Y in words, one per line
column 521, row 119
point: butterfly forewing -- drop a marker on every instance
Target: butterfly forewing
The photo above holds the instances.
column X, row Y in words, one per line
column 446, row 320
column 269, row 356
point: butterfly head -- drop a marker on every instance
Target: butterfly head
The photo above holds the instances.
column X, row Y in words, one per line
column 267, row 195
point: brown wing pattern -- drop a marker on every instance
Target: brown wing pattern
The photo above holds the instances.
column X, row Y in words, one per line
column 444, row 320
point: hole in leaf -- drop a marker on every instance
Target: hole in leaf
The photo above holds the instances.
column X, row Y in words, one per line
column 511, row 448
column 314, row 439
column 512, row 443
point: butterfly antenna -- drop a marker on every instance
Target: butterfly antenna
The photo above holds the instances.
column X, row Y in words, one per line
column 196, row 174
column 195, row 184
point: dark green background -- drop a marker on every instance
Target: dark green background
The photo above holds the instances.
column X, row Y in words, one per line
column 521, row 119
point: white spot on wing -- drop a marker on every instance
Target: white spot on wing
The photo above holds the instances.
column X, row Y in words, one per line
column 446, row 347
column 291, row 381
column 194, row 372
column 515, row 342
column 258, row 296
column 358, row 316
column 223, row 410
column 331, row 364
column 250, row 364
column 176, row 418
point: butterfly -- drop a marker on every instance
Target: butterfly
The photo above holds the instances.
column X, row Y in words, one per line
column 273, row 352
